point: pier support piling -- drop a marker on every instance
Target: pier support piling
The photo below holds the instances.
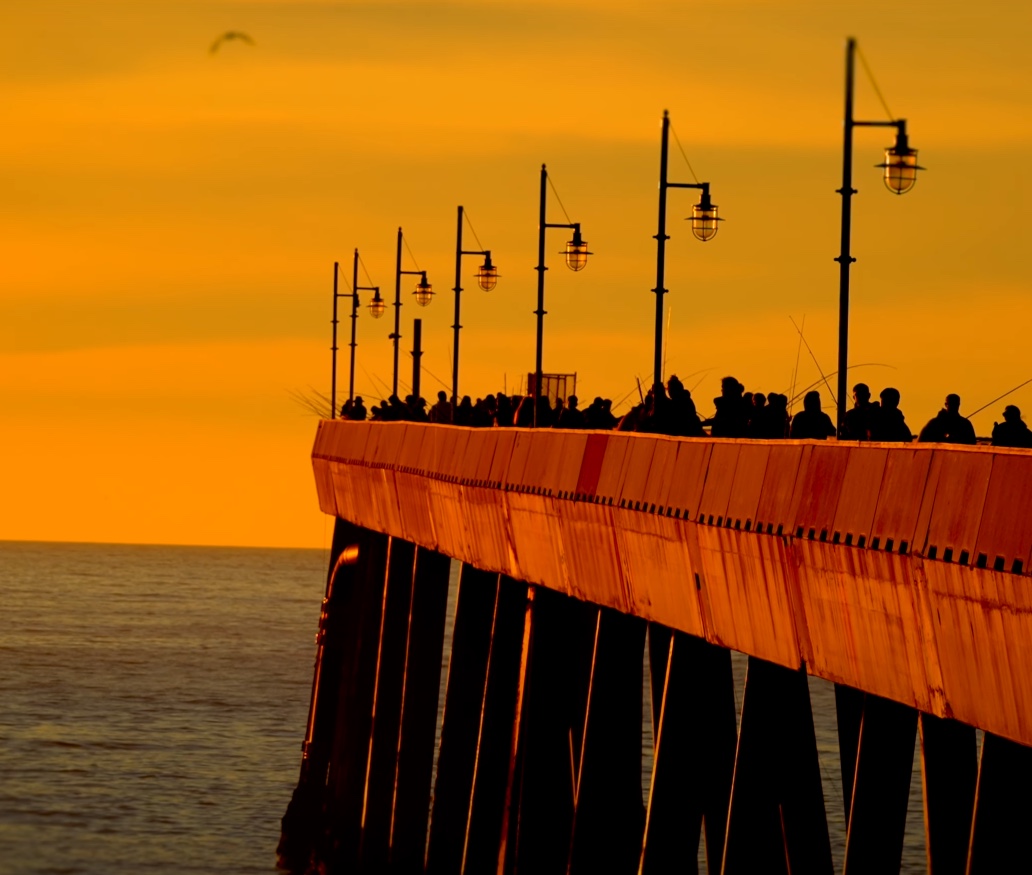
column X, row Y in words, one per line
column 776, row 819
column 456, row 762
column 378, row 799
column 695, row 734
column 608, row 815
column 949, row 770
column 881, row 787
column 1003, row 808
column 422, row 681
column 494, row 741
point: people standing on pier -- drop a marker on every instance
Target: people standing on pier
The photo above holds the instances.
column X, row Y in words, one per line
column 683, row 419
column 504, row 410
column 1012, row 432
column 732, row 417
column 571, row 416
column 358, row 409
column 812, row 422
column 774, row 419
column 857, row 425
column 887, row 422
column 948, row 426
column 441, row 411
column 599, row 415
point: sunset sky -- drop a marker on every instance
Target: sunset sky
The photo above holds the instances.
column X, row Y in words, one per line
column 170, row 218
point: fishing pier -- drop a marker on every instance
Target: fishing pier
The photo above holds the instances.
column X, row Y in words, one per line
column 898, row 572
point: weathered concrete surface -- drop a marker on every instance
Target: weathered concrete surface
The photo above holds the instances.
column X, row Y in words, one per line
column 899, row 570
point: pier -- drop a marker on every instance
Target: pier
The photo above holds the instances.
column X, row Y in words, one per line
column 898, row 572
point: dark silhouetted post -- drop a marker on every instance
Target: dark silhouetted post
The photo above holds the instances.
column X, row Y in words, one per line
column 576, row 259
column 417, row 354
column 354, row 324
column 423, row 296
column 355, row 289
column 487, row 277
column 704, row 226
column 900, row 174
column 396, row 335
column 333, row 347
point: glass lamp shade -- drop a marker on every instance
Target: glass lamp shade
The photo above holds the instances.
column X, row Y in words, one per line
column 377, row 306
column 487, row 275
column 900, row 169
column 576, row 252
column 576, row 255
column 424, row 292
column 704, row 220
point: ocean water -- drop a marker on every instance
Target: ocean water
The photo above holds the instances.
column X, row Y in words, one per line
column 152, row 705
column 153, row 702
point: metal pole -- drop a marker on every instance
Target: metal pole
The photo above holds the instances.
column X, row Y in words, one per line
column 417, row 355
column 397, row 315
column 457, row 325
column 845, row 259
column 354, row 321
column 661, row 239
column 333, row 366
column 540, row 311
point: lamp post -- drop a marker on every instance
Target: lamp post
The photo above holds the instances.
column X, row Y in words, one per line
column 576, row 253
column 487, row 279
column 900, row 168
column 333, row 346
column 424, row 295
column 704, row 226
column 376, row 308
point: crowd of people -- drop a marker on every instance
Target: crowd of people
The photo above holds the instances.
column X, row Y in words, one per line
column 671, row 410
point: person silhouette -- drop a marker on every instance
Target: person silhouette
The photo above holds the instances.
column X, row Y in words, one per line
column 811, row 422
column 887, row 422
column 1012, row 432
column 857, row 424
column 948, row 426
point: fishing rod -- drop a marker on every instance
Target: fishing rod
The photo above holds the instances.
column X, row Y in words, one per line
column 819, row 371
column 1004, row 395
column 795, row 373
column 834, row 373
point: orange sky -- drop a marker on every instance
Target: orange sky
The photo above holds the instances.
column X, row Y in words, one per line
column 170, row 218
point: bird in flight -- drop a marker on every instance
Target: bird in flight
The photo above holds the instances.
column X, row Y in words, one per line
column 231, row 35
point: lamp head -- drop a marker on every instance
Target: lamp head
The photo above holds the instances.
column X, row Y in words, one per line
column 704, row 217
column 576, row 251
column 487, row 274
column 424, row 291
column 900, row 164
column 377, row 305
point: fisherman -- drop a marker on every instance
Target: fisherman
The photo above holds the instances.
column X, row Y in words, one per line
column 812, row 422
column 1012, row 432
column 857, row 425
column 887, row 422
column 948, row 426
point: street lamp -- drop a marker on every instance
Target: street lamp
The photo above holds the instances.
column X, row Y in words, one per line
column 487, row 279
column 704, row 221
column 424, row 293
column 355, row 289
column 576, row 253
column 900, row 168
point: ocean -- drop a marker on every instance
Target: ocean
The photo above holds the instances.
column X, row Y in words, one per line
column 153, row 702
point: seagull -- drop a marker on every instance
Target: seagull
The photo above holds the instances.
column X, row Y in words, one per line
column 228, row 35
